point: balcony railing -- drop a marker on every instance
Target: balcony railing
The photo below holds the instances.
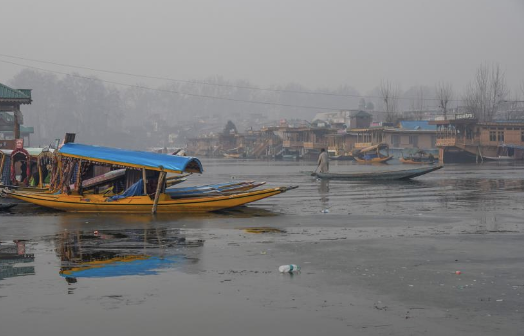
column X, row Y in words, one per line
column 451, row 142
column 290, row 143
column 315, row 145
column 446, row 142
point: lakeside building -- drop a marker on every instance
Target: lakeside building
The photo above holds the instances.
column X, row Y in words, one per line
column 411, row 135
column 305, row 141
column 11, row 117
column 407, row 135
column 464, row 139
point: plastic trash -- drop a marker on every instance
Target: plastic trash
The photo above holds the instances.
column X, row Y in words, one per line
column 289, row 268
column 458, row 272
column 325, row 211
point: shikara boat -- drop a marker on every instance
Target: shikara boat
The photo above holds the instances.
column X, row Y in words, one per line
column 378, row 176
column 212, row 189
column 419, row 157
column 506, row 152
column 372, row 154
column 33, row 169
column 232, row 155
column 136, row 199
column 144, row 204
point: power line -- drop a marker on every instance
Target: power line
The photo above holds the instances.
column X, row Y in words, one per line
column 173, row 91
column 181, row 93
column 212, row 84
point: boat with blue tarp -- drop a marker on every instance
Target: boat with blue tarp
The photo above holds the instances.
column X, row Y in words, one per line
column 143, row 188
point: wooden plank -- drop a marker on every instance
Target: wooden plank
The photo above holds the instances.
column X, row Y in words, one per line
column 159, row 187
column 144, row 179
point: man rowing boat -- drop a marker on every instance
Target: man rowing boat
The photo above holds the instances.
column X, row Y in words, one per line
column 323, row 161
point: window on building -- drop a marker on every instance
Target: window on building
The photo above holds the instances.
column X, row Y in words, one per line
column 492, row 136
column 413, row 140
column 395, row 140
column 522, row 135
column 500, row 136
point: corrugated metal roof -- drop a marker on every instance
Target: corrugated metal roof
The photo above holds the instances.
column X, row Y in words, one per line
column 422, row 125
column 9, row 93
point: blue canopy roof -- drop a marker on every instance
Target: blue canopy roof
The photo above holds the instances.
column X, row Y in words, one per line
column 136, row 159
column 417, row 125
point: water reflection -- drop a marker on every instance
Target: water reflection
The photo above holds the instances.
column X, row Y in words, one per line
column 323, row 191
column 117, row 253
column 12, row 254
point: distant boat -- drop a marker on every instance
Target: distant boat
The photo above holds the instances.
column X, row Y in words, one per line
column 420, row 157
column 290, row 157
column 378, row 176
column 233, row 156
column 373, row 154
column 500, row 158
column 506, row 152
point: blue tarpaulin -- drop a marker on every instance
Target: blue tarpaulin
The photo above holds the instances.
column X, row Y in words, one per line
column 136, row 189
column 129, row 158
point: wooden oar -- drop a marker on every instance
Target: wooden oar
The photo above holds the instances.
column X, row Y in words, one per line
column 315, row 172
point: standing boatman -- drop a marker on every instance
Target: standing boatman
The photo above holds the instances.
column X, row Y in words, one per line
column 323, row 161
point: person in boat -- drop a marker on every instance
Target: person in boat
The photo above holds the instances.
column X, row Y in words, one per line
column 323, row 161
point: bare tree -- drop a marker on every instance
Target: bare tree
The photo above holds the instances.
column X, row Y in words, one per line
column 487, row 91
column 421, row 104
column 389, row 96
column 444, row 94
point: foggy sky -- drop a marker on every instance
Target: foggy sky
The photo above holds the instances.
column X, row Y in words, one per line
column 315, row 43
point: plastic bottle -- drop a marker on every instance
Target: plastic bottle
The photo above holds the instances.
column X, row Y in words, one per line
column 289, row 268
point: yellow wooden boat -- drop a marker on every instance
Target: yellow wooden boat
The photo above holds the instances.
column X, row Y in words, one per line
column 372, row 154
column 419, row 157
column 144, row 204
column 143, row 170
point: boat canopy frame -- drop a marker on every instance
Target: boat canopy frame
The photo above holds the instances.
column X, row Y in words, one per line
column 378, row 147
column 132, row 159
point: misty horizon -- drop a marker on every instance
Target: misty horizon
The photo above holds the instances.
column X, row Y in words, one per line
column 319, row 45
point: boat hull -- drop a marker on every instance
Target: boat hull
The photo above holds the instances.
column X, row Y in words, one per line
column 379, row 176
column 499, row 158
column 408, row 161
column 212, row 190
column 144, row 204
column 374, row 160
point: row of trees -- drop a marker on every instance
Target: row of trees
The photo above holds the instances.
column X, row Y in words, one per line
column 134, row 117
column 483, row 97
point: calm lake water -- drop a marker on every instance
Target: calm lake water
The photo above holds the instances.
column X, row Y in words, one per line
column 217, row 273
